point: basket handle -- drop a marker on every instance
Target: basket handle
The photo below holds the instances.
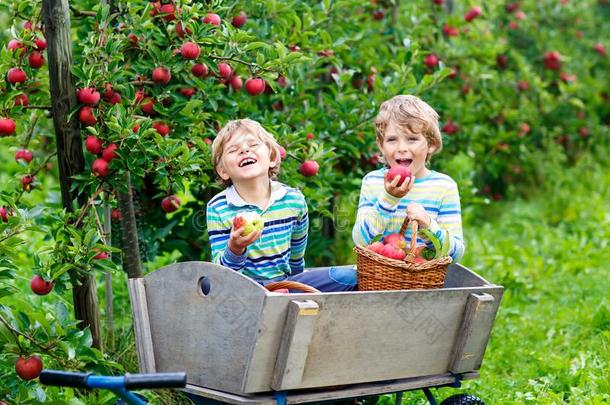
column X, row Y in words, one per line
column 414, row 229
column 291, row 285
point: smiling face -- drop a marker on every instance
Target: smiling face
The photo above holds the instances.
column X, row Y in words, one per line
column 245, row 157
column 405, row 147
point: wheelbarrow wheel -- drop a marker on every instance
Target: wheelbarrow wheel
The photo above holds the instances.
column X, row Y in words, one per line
column 463, row 399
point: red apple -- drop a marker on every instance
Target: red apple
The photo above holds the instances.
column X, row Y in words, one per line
column 378, row 14
column 29, row 368
column 395, row 239
column 99, row 167
column 190, row 50
column 85, row 115
column 36, row 60
column 115, row 214
column 109, row 152
column 40, row 44
column 110, row 95
column 450, row 31
column 431, row 61
column 25, row 155
column 93, row 144
column 600, row 49
column 7, row 126
column 162, row 128
column 236, row 83
column 450, row 128
column 26, row 182
column 310, row 136
column 282, row 82
column 16, row 75
column 170, row 203
column 552, row 60
column 239, row 20
column 511, row 7
column 5, row 213
column 101, row 256
column 16, row 45
column 282, row 153
column 224, row 70
column 88, row 95
column 21, row 100
column 438, row 2
column 502, row 61
column 523, row 85
column 255, row 86
column 393, row 252
column 40, row 286
column 309, row 168
column 398, row 170
column 148, row 106
column 211, row 18
column 169, row 10
column 188, row 92
column 473, row 13
column 376, row 247
column 238, row 222
column 200, row 70
column 161, row 75
column 525, row 129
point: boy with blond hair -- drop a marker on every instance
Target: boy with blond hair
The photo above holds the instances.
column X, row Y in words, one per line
column 408, row 134
column 247, row 159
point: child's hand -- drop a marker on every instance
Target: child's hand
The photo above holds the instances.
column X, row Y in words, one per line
column 398, row 191
column 239, row 243
column 416, row 212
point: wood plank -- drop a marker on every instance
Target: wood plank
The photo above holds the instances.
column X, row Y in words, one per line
column 473, row 334
column 294, row 344
column 141, row 323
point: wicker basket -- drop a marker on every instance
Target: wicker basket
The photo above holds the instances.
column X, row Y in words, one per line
column 377, row 272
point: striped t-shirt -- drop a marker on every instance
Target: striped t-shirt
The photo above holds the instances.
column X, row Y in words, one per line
column 382, row 213
column 279, row 251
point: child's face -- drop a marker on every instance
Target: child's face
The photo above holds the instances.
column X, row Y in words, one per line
column 245, row 157
column 403, row 147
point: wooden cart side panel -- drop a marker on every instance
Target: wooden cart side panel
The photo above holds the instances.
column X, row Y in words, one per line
column 294, row 346
column 141, row 324
column 212, row 336
column 474, row 332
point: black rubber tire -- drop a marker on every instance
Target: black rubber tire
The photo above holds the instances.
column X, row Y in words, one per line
column 463, row 399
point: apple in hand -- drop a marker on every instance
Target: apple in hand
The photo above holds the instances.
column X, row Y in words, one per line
column 398, row 170
column 251, row 224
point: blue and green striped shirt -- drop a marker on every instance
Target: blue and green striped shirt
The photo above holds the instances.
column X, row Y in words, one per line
column 281, row 248
column 381, row 213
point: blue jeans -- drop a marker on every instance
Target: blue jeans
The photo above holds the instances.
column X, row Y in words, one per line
column 325, row 279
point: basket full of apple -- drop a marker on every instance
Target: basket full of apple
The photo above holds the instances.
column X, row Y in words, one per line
column 387, row 264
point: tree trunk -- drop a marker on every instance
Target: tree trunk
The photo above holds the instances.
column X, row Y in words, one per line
column 70, row 157
column 131, row 249
column 108, row 278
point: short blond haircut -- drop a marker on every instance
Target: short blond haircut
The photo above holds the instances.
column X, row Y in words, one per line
column 256, row 129
column 413, row 113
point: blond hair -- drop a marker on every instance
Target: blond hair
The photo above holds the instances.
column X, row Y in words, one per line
column 413, row 113
column 256, row 129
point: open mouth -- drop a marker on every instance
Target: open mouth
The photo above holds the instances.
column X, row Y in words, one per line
column 247, row 162
column 404, row 162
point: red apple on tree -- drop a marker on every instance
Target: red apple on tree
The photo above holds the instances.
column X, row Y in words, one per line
column 109, row 152
column 450, row 31
column 523, row 85
column 85, row 115
column 239, row 20
column 36, row 60
column 309, row 168
column 25, row 155
column 162, row 128
column 236, row 82
column 211, row 18
column 473, row 13
column 16, row 75
column 7, row 126
column 190, row 50
column 116, row 215
column 255, row 86
column 398, row 170
column 170, row 203
column 22, row 100
column 161, row 75
column 16, row 45
column 600, row 49
column 40, row 44
column 93, row 144
column 26, row 182
column 282, row 153
column 28, row 368
column 552, row 60
column 224, row 70
column 5, row 213
column 88, row 95
column 169, row 10
column 40, row 286
column 431, row 61
column 200, row 70
column 148, row 106
column 99, row 167
column 450, row 128
column 188, row 92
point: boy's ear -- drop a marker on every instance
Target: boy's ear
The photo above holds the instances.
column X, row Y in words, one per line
column 222, row 172
column 275, row 162
column 432, row 149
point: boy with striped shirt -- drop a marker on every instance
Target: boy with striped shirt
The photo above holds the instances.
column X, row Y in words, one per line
column 408, row 134
column 247, row 159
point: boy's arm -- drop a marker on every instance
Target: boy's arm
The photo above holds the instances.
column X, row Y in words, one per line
column 298, row 242
column 449, row 219
column 375, row 211
column 218, row 236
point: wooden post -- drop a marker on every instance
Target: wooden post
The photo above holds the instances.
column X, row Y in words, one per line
column 131, row 250
column 56, row 15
